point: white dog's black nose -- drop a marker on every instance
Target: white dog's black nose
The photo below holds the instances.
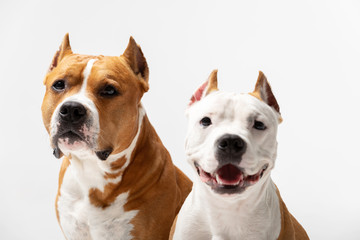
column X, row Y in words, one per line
column 72, row 112
column 230, row 148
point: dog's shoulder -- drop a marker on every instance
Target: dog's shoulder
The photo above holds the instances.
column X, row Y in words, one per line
column 291, row 229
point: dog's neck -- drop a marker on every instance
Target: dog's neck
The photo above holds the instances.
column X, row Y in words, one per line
column 136, row 163
column 255, row 213
column 147, row 162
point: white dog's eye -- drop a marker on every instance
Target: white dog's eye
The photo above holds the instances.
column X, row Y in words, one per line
column 205, row 121
column 259, row 125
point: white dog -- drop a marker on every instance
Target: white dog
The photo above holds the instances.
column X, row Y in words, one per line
column 231, row 143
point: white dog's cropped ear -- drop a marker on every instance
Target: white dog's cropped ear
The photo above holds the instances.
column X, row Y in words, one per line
column 135, row 58
column 264, row 93
column 64, row 49
column 206, row 88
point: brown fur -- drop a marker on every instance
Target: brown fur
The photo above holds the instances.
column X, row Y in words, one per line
column 173, row 227
column 159, row 192
column 156, row 187
column 264, row 93
column 212, row 82
column 290, row 227
column 118, row 164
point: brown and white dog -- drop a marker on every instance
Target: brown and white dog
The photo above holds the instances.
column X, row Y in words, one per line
column 117, row 180
column 231, row 144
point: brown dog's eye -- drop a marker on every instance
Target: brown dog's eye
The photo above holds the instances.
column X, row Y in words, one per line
column 59, row 85
column 259, row 125
column 109, row 91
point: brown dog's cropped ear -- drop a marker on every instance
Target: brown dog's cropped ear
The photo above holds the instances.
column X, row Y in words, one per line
column 264, row 93
column 206, row 88
column 137, row 62
column 64, row 50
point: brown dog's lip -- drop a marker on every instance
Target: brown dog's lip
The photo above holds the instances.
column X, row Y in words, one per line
column 70, row 133
column 72, row 136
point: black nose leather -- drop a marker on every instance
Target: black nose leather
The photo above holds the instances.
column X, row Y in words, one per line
column 72, row 112
column 230, row 148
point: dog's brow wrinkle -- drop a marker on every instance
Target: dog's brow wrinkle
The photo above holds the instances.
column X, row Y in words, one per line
column 250, row 119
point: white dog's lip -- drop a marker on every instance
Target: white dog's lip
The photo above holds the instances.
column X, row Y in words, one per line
column 229, row 178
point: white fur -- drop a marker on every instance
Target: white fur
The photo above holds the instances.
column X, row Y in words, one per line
column 252, row 214
column 86, row 74
column 79, row 219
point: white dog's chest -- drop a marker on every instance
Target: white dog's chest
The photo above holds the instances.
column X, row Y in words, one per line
column 80, row 220
column 234, row 226
column 203, row 217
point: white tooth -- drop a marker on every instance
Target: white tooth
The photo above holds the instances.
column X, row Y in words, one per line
column 236, row 183
column 218, row 179
column 222, row 183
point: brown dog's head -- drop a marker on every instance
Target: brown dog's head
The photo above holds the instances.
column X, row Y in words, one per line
column 92, row 103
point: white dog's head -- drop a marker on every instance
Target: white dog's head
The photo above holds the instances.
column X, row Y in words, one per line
column 231, row 139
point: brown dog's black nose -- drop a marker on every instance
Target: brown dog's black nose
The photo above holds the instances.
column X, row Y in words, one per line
column 230, row 148
column 72, row 112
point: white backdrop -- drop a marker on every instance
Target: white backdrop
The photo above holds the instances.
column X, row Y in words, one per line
column 309, row 50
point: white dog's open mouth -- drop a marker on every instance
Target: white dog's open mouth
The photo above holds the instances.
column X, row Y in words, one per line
column 229, row 178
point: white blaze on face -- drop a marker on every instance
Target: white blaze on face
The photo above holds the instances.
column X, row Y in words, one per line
column 231, row 113
column 91, row 127
column 86, row 74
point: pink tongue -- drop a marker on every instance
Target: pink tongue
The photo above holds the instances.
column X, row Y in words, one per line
column 229, row 175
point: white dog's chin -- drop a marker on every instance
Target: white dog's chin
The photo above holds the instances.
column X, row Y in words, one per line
column 229, row 179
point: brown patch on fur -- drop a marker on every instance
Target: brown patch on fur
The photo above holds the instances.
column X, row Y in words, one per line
column 105, row 198
column 206, row 88
column 264, row 93
column 118, row 164
column 212, row 82
column 112, row 175
column 291, row 229
column 257, row 95
column 153, row 183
